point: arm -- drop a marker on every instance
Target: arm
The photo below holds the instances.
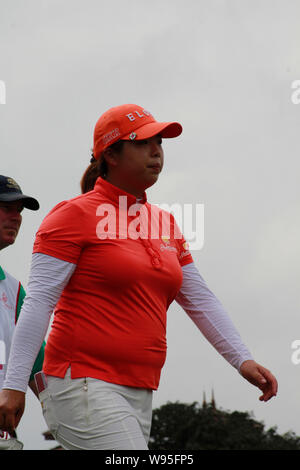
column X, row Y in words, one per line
column 47, row 280
column 209, row 315
column 38, row 364
column 33, row 387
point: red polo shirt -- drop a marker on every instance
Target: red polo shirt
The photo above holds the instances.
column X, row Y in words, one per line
column 110, row 321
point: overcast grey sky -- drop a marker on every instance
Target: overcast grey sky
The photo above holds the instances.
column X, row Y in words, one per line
column 224, row 69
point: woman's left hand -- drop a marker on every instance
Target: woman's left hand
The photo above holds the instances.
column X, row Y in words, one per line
column 261, row 378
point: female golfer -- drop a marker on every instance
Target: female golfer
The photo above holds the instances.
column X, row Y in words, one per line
column 110, row 264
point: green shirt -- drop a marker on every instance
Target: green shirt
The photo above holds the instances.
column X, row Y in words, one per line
column 38, row 365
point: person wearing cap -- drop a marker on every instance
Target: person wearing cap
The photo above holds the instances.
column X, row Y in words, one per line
column 104, row 262
column 12, row 293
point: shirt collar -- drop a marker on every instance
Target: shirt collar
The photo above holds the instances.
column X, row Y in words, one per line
column 2, row 274
column 113, row 192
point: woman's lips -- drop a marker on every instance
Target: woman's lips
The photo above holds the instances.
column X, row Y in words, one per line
column 155, row 167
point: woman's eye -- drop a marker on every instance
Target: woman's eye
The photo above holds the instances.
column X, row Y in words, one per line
column 146, row 141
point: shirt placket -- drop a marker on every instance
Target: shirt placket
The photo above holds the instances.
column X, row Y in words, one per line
column 146, row 241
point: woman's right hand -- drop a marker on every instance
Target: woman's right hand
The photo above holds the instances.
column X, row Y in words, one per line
column 12, row 404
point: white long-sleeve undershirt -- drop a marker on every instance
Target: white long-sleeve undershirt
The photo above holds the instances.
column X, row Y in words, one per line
column 50, row 275
column 209, row 315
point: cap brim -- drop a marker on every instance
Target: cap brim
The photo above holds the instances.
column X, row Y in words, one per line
column 28, row 202
column 166, row 129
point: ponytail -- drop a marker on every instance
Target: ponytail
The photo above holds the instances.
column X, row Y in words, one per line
column 97, row 168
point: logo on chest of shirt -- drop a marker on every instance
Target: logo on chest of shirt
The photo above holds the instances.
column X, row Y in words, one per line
column 4, row 301
column 166, row 245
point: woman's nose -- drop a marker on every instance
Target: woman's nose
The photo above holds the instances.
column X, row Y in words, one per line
column 156, row 149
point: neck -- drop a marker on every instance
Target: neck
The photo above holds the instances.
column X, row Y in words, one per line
column 138, row 193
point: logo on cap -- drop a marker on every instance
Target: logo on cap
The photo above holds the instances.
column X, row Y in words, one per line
column 12, row 184
column 112, row 135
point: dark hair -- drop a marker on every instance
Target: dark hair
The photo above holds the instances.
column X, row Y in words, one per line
column 97, row 168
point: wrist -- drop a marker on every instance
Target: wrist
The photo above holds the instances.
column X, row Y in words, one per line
column 11, row 391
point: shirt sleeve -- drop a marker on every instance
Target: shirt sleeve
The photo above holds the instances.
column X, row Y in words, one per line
column 61, row 233
column 38, row 365
column 207, row 312
column 48, row 277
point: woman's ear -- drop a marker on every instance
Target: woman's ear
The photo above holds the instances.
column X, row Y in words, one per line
column 110, row 157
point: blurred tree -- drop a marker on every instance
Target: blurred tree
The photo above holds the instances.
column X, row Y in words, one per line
column 179, row 426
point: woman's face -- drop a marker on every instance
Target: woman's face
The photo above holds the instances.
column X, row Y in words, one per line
column 138, row 165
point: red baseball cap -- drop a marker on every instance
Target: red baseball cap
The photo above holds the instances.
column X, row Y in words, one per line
column 129, row 122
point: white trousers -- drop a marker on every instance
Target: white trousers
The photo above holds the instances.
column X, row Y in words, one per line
column 90, row 414
column 9, row 443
